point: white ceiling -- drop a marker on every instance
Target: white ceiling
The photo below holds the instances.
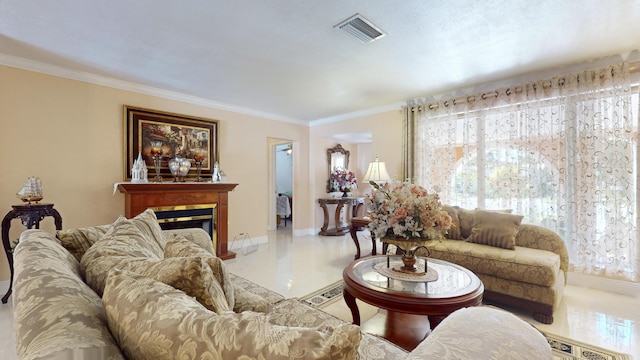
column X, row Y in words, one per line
column 284, row 60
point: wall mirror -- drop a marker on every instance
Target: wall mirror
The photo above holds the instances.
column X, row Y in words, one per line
column 337, row 157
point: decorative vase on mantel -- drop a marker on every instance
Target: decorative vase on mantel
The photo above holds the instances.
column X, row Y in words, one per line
column 409, row 248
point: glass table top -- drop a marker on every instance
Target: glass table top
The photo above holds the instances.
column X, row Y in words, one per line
column 451, row 278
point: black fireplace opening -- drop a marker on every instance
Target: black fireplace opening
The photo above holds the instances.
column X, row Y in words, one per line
column 188, row 216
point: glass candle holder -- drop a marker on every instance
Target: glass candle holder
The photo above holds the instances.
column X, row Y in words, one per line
column 156, row 154
column 198, row 156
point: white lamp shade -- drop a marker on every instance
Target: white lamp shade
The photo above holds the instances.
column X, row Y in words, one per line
column 377, row 172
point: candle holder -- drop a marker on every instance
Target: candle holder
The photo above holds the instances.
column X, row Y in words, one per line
column 156, row 154
column 198, row 157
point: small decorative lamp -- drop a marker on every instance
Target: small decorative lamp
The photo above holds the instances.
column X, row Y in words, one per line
column 377, row 172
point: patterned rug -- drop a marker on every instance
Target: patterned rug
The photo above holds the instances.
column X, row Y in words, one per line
column 325, row 296
column 563, row 348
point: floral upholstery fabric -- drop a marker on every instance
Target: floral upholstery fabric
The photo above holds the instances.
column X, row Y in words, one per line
column 178, row 246
column 197, row 236
column 270, row 296
column 78, row 241
column 291, row 312
column 548, row 295
column 527, row 265
column 520, row 341
column 536, row 270
column 151, row 320
column 537, row 237
column 57, row 316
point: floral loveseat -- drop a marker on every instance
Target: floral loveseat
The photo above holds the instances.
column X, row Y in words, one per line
column 521, row 265
column 129, row 290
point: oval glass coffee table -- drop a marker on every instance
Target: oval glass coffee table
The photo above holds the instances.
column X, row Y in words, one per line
column 412, row 308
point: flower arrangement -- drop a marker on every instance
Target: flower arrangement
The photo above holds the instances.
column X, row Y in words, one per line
column 406, row 211
column 343, row 180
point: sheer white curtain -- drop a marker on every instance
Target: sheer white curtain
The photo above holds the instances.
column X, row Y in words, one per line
column 563, row 152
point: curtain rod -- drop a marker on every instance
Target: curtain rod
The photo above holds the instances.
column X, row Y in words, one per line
column 634, row 67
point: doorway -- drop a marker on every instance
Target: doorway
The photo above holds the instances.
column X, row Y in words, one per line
column 281, row 185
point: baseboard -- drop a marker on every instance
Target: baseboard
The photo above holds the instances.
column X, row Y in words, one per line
column 305, row 232
column 626, row 288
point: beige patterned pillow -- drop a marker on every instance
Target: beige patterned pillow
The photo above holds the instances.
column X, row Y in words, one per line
column 78, row 241
column 147, row 223
column 151, row 320
column 178, row 246
column 189, row 274
column 466, row 219
column 496, row 229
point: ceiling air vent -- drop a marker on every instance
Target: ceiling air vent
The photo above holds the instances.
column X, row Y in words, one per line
column 361, row 28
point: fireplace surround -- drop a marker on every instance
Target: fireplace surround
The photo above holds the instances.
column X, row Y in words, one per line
column 193, row 204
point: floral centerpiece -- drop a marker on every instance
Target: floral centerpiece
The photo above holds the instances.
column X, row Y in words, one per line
column 343, row 180
column 406, row 215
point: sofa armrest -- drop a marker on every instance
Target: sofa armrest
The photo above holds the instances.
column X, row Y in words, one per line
column 538, row 237
column 198, row 236
column 483, row 332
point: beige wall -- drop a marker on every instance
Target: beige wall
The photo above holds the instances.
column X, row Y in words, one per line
column 70, row 134
column 386, row 130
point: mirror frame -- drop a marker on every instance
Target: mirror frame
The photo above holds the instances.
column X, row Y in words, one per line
column 338, row 149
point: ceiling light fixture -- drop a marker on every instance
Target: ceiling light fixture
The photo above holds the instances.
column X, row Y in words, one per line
column 362, row 29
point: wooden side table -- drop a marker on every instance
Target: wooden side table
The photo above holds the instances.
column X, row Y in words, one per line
column 30, row 215
column 339, row 229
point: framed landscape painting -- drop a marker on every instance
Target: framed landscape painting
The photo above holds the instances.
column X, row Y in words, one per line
column 178, row 134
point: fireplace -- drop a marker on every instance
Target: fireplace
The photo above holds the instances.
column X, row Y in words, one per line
column 188, row 216
column 184, row 205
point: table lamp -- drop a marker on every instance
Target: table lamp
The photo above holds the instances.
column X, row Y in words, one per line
column 377, row 172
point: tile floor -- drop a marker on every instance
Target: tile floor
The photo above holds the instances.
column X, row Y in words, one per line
column 296, row 266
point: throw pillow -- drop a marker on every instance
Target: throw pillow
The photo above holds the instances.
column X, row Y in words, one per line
column 466, row 219
column 178, row 246
column 454, row 231
column 189, row 274
column 496, row 229
column 151, row 320
column 78, row 241
column 147, row 223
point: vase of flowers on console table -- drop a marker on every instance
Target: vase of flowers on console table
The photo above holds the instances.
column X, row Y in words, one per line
column 343, row 180
column 408, row 216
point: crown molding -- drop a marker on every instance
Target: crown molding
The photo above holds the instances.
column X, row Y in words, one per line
column 59, row 71
column 357, row 114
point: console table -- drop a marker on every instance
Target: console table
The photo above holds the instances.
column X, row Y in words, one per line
column 340, row 228
column 139, row 197
column 30, row 215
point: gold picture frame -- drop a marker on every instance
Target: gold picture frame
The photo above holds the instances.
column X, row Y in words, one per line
column 177, row 132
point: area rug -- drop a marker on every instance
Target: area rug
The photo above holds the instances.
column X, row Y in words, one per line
column 325, row 296
column 563, row 348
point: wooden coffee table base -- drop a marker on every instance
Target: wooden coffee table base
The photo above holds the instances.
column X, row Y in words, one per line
column 404, row 330
column 408, row 310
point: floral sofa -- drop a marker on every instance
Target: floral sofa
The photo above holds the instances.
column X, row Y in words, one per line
column 521, row 265
column 129, row 290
